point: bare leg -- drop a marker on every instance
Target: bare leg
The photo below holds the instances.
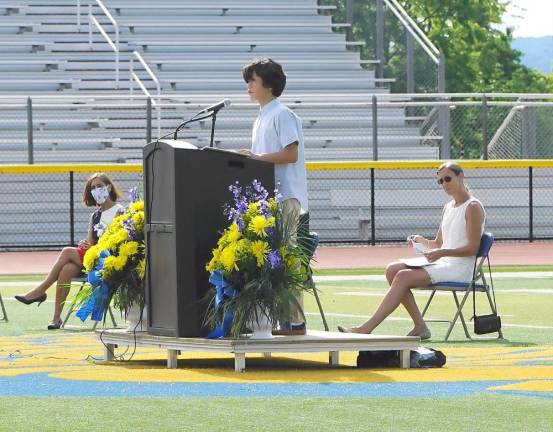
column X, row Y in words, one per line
column 68, row 272
column 68, row 255
column 403, row 281
column 410, row 305
column 392, row 270
column 408, row 300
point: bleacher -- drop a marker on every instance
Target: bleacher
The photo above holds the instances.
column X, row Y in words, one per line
column 196, row 48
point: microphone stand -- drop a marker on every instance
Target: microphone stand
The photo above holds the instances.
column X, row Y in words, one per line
column 194, row 119
column 213, row 119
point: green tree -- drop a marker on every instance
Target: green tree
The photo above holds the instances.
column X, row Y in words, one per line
column 479, row 57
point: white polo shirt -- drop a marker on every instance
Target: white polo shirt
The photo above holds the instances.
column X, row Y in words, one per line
column 275, row 128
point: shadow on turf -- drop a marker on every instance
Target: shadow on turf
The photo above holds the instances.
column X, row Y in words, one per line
column 224, row 367
column 480, row 342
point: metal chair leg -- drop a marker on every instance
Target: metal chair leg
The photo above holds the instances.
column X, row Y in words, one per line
column 71, row 308
column 4, row 313
column 456, row 315
column 319, row 304
column 467, row 334
column 67, row 315
column 428, row 303
column 494, row 310
column 311, row 282
column 112, row 317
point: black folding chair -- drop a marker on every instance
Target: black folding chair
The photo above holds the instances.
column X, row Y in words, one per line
column 310, row 240
column 313, row 243
column 478, row 283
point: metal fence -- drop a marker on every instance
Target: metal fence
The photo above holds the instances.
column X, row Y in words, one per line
column 361, row 202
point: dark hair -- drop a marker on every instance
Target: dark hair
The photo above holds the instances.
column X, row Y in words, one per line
column 88, row 199
column 451, row 165
column 269, row 71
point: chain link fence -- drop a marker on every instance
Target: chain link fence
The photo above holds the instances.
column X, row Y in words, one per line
column 350, row 202
column 388, row 203
column 526, row 132
column 43, row 206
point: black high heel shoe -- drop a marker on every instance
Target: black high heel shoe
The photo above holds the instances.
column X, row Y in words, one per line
column 55, row 326
column 38, row 299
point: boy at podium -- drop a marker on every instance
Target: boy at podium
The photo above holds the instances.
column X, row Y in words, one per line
column 277, row 137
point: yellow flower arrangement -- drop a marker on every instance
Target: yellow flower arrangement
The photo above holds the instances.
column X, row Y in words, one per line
column 256, row 260
column 119, row 257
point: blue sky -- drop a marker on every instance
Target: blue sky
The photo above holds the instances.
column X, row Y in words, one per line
column 530, row 18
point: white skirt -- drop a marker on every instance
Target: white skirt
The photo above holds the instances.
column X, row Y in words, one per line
column 451, row 269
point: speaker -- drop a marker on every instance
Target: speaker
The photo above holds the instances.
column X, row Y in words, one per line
column 185, row 191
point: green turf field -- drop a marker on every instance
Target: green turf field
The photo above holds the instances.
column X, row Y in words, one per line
column 525, row 304
column 489, row 413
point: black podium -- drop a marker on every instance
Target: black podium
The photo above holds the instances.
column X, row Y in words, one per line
column 185, row 189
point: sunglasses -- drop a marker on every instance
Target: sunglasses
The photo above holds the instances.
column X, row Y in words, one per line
column 445, row 179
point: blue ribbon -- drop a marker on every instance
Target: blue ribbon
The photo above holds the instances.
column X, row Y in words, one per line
column 96, row 304
column 223, row 291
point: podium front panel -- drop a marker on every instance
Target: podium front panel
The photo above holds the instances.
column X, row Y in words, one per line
column 185, row 191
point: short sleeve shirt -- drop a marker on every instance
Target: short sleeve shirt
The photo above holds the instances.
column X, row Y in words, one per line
column 275, row 128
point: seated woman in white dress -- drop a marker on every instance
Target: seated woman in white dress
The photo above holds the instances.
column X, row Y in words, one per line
column 453, row 253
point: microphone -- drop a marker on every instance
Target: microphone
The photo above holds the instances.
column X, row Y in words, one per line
column 225, row 103
column 210, row 111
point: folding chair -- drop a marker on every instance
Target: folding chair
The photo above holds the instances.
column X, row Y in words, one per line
column 311, row 241
column 83, row 281
column 4, row 313
column 478, row 283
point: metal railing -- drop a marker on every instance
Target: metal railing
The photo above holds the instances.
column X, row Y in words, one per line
column 381, row 127
column 114, row 45
column 414, row 32
column 135, row 78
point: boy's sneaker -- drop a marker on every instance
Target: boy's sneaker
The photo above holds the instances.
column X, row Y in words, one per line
column 287, row 329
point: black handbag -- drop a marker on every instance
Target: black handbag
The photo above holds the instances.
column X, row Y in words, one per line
column 484, row 324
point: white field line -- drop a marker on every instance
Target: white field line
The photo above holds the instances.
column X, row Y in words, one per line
column 374, row 293
column 342, row 278
column 24, row 284
column 369, row 278
column 11, row 299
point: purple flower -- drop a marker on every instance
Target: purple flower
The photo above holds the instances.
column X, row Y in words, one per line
column 274, row 259
column 133, row 194
column 259, row 192
column 128, row 225
column 242, row 198
column 264, row 209
column 240, row 203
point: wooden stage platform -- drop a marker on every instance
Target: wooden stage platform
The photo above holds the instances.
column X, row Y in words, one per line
column 313, row 341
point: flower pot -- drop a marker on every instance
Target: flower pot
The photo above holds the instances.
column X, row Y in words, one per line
column 134, row 321
column 261, row 327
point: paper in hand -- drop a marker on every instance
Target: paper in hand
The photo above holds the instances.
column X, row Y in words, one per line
column 416, row 262
column 419, row 247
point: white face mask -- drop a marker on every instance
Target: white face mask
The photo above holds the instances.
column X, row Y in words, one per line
column 100, row 194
